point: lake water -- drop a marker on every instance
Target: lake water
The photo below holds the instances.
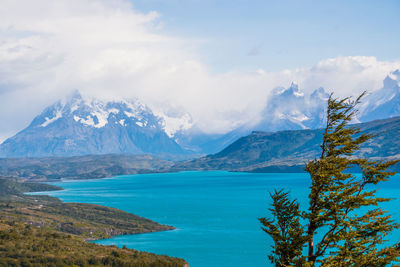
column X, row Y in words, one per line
column 215, row 213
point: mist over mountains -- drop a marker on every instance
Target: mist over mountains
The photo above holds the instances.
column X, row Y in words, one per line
column 79, row 126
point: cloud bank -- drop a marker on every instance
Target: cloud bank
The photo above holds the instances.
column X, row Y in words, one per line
column 109, row 50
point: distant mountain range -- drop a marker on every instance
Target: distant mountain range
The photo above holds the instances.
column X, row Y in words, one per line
column 282, row 151
column 292, row 109
column 80, row 126
column 290, row 150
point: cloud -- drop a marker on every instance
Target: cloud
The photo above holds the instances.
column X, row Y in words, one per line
column 109, row 50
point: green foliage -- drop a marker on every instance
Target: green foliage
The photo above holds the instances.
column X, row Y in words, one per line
column 285, row 230
column 10, row 187
column 343, row 209
column 88, row 220
column 24, row 245
column 43, row 231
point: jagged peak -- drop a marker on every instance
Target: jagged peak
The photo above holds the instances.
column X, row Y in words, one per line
column 293, row 89
column 91, row 111
column 75, row 94
column 279, row 90
column 71, row 97
column 294, row 86
column 76, row 100
column 94, row 112
column 320, row 93
column 395, row 75
column 392, row 80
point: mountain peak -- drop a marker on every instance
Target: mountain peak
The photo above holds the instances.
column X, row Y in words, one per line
column 79, row 125
column 292, row 90
column 76, row 94
column 383, row 103
column 395, row 75
column 294, row 86
column 392, row 79
column 320, row 93
column 72, row 97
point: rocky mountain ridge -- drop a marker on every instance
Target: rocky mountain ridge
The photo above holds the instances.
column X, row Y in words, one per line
column 81, row 126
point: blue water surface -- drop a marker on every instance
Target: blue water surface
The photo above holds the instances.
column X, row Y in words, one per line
column 215, row 213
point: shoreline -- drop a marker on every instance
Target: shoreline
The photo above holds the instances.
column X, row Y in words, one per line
column 59, row 188
column 70, row 225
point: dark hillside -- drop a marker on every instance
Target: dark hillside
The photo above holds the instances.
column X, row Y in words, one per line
column 288, row 150
column 79, row 167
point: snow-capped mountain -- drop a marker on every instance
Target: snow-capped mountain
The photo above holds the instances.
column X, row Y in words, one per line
column 174, row 121
column 290, row 109
column 286, row 109
column 78, row 126
column 385, row 102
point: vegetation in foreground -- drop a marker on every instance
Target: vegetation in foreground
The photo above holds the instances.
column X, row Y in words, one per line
column 43, row 231
column 23, row 244
column 344, row 225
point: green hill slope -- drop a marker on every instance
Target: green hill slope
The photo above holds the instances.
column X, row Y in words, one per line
column 290, row 150
column 43, row 231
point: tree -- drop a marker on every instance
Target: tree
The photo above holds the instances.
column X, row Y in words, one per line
column 343, row 225
column 287, row 232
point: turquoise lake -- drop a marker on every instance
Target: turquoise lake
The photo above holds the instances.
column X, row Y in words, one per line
column 215, row 213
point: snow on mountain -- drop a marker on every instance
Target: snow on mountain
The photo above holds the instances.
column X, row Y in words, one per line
column 175, row 122
column 77, row 126
column 290, row 109
column 96, row 113
column 385, row 102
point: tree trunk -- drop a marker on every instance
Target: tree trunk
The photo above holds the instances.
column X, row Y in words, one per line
column 311, row 249
column 311, row 256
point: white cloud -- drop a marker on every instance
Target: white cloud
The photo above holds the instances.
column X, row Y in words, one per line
column 107, row 49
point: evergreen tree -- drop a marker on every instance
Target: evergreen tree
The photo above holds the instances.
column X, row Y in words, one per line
column 343, row 209
column 287, row 232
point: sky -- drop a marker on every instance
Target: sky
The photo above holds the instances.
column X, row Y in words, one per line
column 217, row 60
column 276, row 35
